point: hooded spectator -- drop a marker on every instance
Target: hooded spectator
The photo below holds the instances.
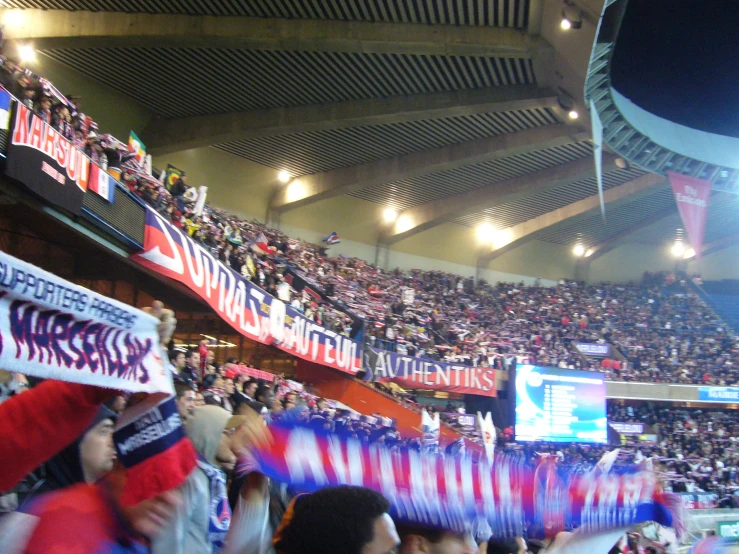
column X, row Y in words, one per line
column 201, row 523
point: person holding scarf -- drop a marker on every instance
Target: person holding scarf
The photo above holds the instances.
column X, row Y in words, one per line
column 203, row 518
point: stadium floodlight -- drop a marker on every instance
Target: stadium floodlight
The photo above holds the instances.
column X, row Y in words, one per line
column 572, row 114
column 284, row 176
column 389, row 215
column 485, row 233
column 27, row 53
column 570, row 21
column 678, row 249
column 579, row 250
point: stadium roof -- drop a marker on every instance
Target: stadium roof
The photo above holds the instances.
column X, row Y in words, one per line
column 448, row 111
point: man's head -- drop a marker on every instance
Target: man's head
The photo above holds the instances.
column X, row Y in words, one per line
column 192, row 358
column 177, row 358
column 250, row 388
column 185, row 400
column 97, row 452
column 425, row 540
column 265, row 395
column 340, row 520
column 228, row 386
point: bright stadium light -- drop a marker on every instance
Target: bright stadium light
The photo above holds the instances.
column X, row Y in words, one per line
column 571, row 16
column 678, row 249
column 389, row 215
column 485, row 233
column 27, row 53
column 689, row 253
column 572, row 114
column 284, row 176
column 578, row 250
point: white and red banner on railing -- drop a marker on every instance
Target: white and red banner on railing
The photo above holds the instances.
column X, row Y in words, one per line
column 247, row 308
column 50, row 165
column 692, row 196
column 54, row 329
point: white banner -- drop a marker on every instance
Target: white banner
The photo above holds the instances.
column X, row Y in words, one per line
column 431, row 427
column 488, row 434
column 54, row 329
column 598, row 154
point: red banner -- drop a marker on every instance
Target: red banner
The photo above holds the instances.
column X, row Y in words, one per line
column 692, row 195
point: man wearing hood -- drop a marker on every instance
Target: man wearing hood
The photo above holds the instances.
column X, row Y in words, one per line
column 85, row 460
column 204, row 516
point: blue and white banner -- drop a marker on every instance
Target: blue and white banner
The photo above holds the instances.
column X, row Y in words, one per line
column 247, row 308
column 594, row 349
column 718, row 394
column 451, row 491
column 54, row 329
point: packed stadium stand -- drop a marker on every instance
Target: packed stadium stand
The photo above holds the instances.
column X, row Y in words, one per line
column 223, row 417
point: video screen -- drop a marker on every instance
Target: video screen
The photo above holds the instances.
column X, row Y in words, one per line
column 560, row 405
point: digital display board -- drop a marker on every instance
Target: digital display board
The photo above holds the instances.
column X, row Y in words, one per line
column 560, row 405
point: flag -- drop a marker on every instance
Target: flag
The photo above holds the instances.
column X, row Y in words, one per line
column 597, row 126
column 148, row 165
column 4, row 110
column 261, row 245
column 101, row 183
column 431, row 427
column 692, row 196
column 487, row 432
column 200, row 202
column 171, row 176
column 333, row 238
column 137, row 147
column 607, row 460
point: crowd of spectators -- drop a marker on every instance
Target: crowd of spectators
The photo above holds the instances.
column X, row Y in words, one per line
column 662, row 331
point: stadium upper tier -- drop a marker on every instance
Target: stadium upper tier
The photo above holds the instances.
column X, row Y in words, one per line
column 661, row 330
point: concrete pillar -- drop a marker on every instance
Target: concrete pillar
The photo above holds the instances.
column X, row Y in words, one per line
column 582, row 269
column 382, row 255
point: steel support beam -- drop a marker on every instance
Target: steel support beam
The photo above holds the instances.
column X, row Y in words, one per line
column 172, row 135
column 55, row 29
column 718, row 245
column 320, row 186
column 423, row 217
column 596, row 251
column 518, row 235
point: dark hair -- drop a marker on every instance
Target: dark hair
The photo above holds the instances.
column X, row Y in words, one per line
column 232, row 360
column 261, row 391
column 190, row 352
column 431, row 534
column 208, row 381
column 339, row 520
column 181, row 388
column 497, row 546
column 174, row 353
